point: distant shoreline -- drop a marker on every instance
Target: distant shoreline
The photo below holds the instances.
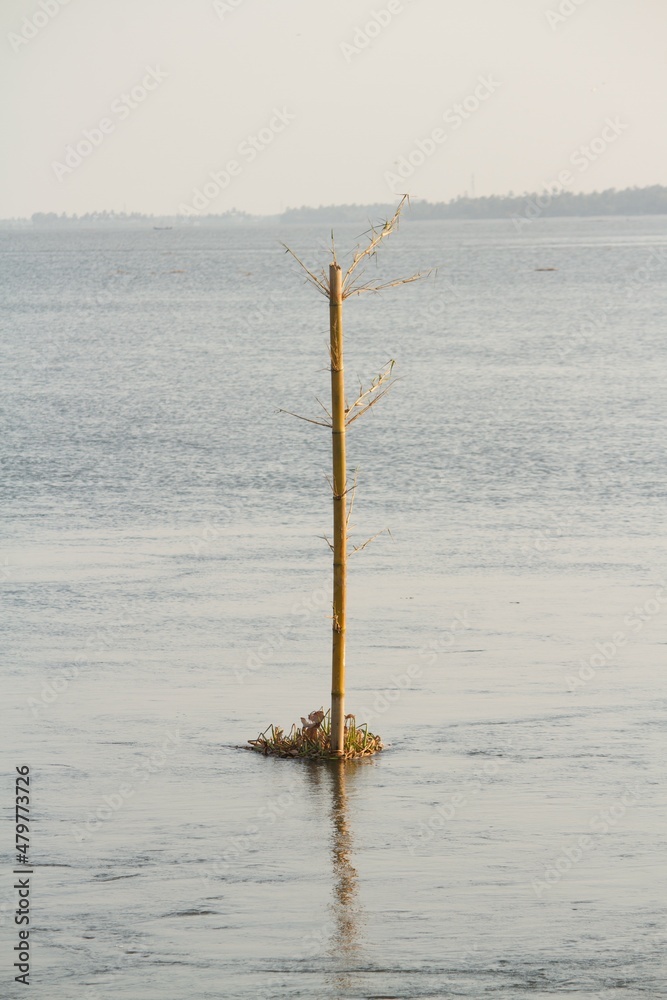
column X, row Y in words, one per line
column 517, row 208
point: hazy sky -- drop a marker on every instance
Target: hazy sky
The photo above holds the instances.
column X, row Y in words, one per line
column 133, row 104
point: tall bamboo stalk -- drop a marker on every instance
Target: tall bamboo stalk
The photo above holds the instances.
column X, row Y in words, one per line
column 336, row 288
column 339, row 510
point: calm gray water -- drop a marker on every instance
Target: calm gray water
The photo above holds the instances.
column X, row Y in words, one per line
column 165, row 597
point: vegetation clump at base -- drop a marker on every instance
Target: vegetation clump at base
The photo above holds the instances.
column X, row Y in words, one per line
column 313, row 740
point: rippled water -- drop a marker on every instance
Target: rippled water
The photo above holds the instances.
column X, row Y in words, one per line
column 165, row 597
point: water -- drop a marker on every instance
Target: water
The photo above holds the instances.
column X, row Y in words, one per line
column 165, row 597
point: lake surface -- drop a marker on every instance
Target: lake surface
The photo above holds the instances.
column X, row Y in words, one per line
column 165, row 597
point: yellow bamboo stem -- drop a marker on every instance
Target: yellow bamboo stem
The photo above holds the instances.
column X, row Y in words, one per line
column 339, row 510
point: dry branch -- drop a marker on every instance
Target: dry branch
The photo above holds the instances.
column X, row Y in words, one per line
column 377, row 236
column 363, row 402
column 320, row 423
column 360, row 548
column 320, row 283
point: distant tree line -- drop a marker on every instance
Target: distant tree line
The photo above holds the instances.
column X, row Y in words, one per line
column 629, row 201
column 137, row 218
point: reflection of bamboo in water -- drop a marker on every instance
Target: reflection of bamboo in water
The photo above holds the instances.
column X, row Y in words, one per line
column 344, row 941
column 342, row 932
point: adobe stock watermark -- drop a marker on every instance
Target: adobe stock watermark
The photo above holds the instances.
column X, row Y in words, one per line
column 317, row 601
column 314, row 942
column 93, row 993
column 111, row 804
column 446, row 811
column 237, row 846
column 454, row 117
column 642, row 275
column 38, row 20
column 110, row 291
column 224, row 7
column 548, row 538
column 365, row 34
column 431, row 652
column 584, row 329
column 581, row 158
column 59, row 680
column 600, row 824
column 401, row 682
column 606, row 651
column 209, row 532
column 247, row 152
column 121, row 109
column 565, row 10
column 449, row 292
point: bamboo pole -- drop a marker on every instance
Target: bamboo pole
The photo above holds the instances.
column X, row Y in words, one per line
column 339, row 510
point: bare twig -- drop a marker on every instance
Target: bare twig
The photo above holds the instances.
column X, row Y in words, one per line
column 324, row 408
column 360, row 548
column 375, row 384
column 330, row 544
column 320, row 423
column 321, row 283
column 367, row 407
column 370, row 286
column 353, row 493
column 377, row 236
column 363, row 402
